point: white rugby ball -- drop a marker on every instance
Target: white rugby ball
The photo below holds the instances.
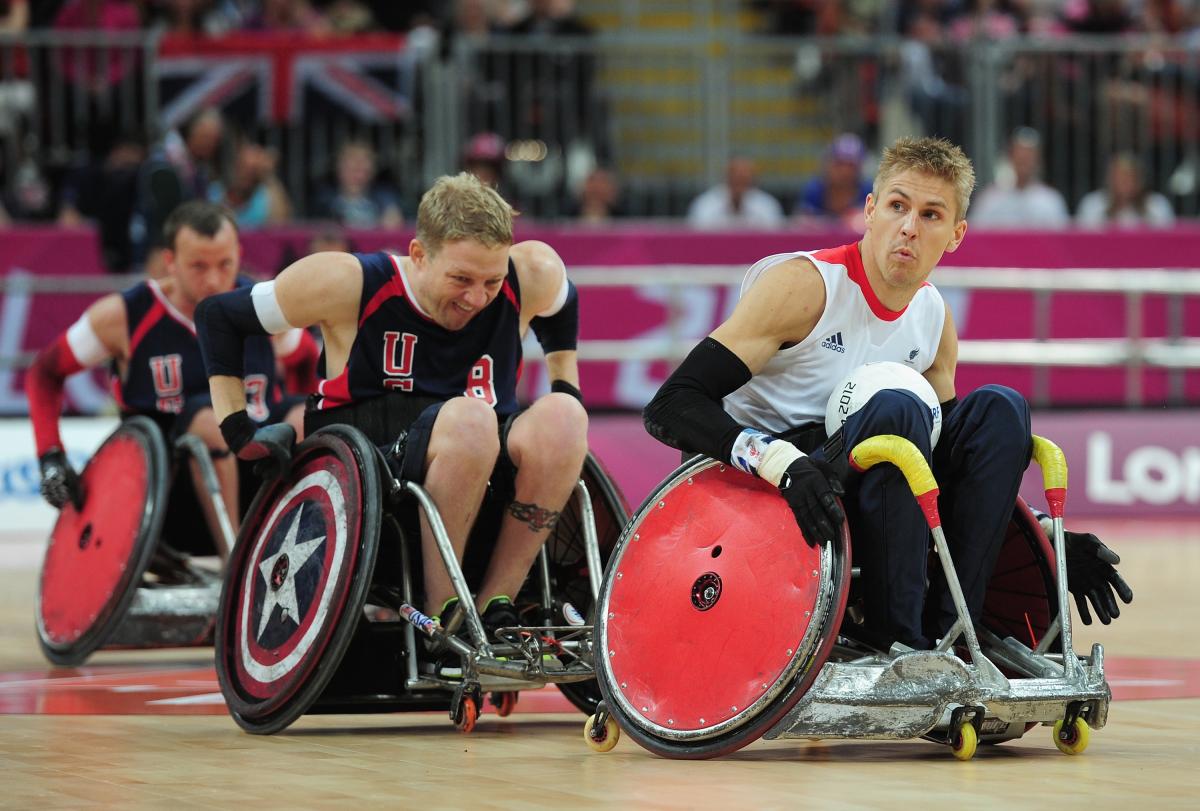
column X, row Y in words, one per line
column 853, row 393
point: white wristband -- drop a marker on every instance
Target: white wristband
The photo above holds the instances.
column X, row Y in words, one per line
column 775, row 461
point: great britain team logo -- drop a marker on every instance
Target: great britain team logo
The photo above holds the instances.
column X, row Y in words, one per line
column 293, row 574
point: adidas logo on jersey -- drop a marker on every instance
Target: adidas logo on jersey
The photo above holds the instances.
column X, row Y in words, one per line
column 834, row 342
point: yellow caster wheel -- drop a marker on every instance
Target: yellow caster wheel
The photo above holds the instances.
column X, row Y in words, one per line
column 1073, row 739
column 965, row 742
column 604, row 738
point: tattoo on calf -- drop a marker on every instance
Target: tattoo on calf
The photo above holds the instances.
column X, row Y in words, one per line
column 537, row 518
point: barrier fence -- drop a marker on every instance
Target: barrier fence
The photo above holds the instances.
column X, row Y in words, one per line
column 665, row 110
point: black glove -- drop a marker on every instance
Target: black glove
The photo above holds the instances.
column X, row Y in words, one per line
column 811, row 488
column 269, row 446
column 60, row 482
column 1091, row 577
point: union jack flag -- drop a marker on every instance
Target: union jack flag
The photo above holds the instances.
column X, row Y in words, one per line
column 278, row 77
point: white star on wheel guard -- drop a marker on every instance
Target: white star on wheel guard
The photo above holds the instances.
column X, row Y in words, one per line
column 267, row 673
column 284, row 595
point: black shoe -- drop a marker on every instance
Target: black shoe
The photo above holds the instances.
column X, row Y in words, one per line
column 499, row 613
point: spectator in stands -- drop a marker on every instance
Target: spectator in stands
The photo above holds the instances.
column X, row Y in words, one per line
column 1124, row 202
column 840, row 191
column 105, row 192
column 1098, row 17
column 1021, row 200
column 179, row 168
column 287, row 16
column 483, row 157
column 253, row 192
column 359, row 200
column 599, row 198
column 550, row 92
column 196, row 18
column 989, row 20
column 736, row 203
column 14, row 16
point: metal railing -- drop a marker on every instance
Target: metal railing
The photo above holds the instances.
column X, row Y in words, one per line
column 666, row 110
column 1176, row 352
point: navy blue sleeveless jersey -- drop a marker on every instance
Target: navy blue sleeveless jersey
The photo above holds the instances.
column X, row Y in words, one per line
column 165, row 367
column 399, row 348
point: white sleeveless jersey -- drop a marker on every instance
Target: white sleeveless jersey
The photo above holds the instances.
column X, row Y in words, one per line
column 854, row 329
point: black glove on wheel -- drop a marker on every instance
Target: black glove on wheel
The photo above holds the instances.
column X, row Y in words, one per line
column 60, row 482
column 1091, row 577
column 269, row 446
column 811, row 488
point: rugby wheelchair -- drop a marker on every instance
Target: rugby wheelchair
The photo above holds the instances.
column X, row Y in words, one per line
column 120, row 570
column 317, row 612
column 717, row 625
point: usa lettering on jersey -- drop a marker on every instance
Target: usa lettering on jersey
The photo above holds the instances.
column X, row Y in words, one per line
column 167, row 373
column 399, row 368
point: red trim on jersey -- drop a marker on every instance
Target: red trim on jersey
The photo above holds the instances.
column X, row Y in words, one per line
column 335, row 392
column 512, row 296
column 407, row 290
column 300, row 365
column 170, row 308
column 390, row 289
column 851, row 258
column 44, row 388
column 152, row 317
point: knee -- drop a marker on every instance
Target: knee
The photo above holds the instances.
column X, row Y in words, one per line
column 1004, row 411
column 467, row 425
column 1003, row 403
column 204, row 425
column 554, row 429
column 893, row 411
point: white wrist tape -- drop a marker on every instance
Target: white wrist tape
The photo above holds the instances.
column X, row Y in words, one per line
column 266, row 307
column 85, row 343
column 775, row 461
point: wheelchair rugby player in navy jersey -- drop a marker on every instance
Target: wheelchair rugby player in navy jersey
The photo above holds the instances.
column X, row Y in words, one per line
column 422, row 355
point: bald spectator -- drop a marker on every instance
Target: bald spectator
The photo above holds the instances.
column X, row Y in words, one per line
column 1022, row 201
column 736, row 203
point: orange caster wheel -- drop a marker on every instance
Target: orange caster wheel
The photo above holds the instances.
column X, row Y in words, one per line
column 504, row 703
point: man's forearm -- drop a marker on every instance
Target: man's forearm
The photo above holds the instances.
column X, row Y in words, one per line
column 228, row 395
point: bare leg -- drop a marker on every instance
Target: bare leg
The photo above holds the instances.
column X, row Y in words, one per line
column 548, row 444
column 462, row 452
column 204, row 425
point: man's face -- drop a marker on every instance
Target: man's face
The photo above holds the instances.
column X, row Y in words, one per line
column 1025, row 160
column 459, row 281
column 204, row 266
column 910, row 226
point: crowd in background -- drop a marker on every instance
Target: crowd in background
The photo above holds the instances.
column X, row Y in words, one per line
column 125, row 178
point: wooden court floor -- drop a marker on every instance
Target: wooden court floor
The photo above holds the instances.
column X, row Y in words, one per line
column 56, row 752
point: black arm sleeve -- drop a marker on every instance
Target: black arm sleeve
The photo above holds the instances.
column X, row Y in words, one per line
column 560, row 331
column 223, row 322
column 687, row 414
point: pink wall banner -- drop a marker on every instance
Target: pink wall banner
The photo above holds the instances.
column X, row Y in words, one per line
column 29, row 320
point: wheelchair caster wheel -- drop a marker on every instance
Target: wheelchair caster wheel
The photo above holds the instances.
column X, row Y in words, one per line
column 465, row 706
column 1073, row 739
column 601, row 737
column 504, row 703
column 964, row 742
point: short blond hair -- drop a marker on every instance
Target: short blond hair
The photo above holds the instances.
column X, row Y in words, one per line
column 460, row 207
column 932, row 156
